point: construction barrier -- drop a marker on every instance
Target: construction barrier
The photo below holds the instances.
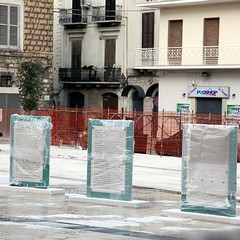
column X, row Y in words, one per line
column 154, row 133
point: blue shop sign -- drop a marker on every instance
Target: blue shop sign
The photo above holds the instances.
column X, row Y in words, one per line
column 219, row 92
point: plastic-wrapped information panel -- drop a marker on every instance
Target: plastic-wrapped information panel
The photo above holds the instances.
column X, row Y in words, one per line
column 110, row 154
column 30, row 150
column 209, row 164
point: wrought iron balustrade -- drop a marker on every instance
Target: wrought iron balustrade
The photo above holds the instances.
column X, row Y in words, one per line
column 188, row 56
column 101, row 14
column 88, row 75
column 73, row 16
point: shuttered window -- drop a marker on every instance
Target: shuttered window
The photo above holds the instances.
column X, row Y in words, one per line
column 175, row 29
column 110, row 52
column 148, row 30
column 110, row 9
column 211, row 41
column 9, row 26
column 76, row 5
column 76, row 53
column 211, row 32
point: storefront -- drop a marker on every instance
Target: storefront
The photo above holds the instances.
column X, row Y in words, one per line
column 208, row 99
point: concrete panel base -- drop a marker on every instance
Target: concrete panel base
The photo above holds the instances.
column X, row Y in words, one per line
column 48, row 191
column 84, row 199
column 202, row 217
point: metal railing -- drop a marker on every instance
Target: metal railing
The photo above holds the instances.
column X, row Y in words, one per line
column 73, row 16
column 152, row 1
column 171, row 2
column 90, row 74
column 101, row 14
column 6, row 80
column 188, row 56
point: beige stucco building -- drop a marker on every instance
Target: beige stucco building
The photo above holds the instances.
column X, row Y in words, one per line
column 197, row 55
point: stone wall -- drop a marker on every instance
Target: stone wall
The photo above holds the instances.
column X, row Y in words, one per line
column 37, row 44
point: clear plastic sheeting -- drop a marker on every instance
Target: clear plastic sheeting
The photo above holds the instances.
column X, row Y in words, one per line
column 30, row 150
column 110, row 159
column 209, row 166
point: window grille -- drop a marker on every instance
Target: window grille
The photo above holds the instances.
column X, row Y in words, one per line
column 5, row 80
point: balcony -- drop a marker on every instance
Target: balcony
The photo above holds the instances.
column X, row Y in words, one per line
column 102, row 16
column 188, row 57
column 90, row 76
column 175, row 3
column 73, row 17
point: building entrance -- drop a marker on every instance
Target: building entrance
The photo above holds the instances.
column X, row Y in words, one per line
column 210, row 106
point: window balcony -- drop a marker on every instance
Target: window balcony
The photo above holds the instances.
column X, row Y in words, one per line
column 102, row 15
column 175, row 3
column 71, row 17
column 91, row 76
column 188, row 57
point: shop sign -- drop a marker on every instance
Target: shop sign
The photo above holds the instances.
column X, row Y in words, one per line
column 219, row 92
column 233, row 110
column 183, row 107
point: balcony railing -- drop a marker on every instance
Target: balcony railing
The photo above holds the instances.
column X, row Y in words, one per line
column 90, row 75
column 174, row 3
column 188, row 56
column 101, row 14
column 73, row 16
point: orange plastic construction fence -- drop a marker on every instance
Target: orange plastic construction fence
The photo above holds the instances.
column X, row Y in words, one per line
column 154, row 133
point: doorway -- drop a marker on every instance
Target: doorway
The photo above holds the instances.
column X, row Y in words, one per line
column 76, row 100
column 110, row 101
column 137, row 102
column 209, row 106
column 110, row 9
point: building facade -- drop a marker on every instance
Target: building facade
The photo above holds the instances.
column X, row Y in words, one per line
column 148, row 55
column 88, row 59
column 94, row 41
column 197, row 55
column 26, row 32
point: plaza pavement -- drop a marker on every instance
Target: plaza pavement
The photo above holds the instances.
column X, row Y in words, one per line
column 25, row 216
